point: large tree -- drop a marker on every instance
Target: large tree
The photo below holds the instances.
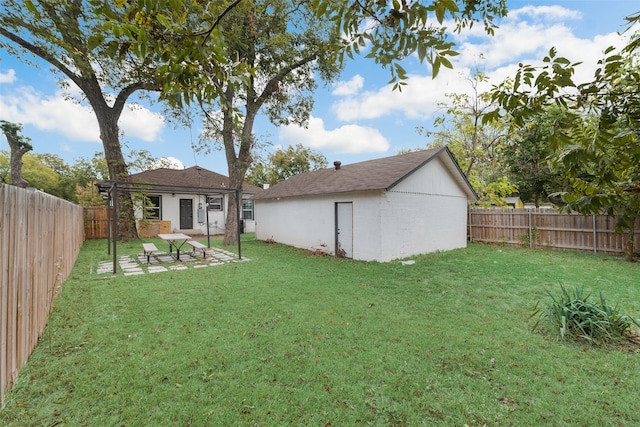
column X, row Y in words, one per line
column 597, row 138
column 19, row 145
column 69, row 36
column 250, row 55
column 285, row 45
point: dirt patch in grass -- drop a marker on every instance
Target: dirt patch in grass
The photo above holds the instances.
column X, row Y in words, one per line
column 631, row 344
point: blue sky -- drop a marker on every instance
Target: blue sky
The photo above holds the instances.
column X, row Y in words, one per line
column 357, row 118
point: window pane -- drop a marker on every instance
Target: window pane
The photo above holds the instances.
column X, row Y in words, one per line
column 247, row 209
column 153, row 209
column 215, row 203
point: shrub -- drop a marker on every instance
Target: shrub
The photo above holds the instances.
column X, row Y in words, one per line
column 574, row 316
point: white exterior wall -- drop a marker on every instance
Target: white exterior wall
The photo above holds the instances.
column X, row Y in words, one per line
column 170, row 208
column 309, row 222
column 426, row 212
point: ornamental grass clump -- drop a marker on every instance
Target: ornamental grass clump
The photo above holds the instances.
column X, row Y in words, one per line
column 573, row 316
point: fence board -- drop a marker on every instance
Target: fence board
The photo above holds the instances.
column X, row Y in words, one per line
column 40, row 238
column 547, row 228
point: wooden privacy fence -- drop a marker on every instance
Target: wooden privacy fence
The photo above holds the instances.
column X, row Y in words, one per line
column 40, row 237
column 96, row 222
column 547, row 228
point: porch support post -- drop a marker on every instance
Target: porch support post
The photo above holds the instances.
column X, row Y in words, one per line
column 206, row 210
column 238, row 201
column 109, row 200
column 115, row 224
column 530, row 231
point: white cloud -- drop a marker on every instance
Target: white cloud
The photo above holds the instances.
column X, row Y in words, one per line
column 350, row 87
column 420, row 99
column 139, row 122
column 525, row 36
column 56, row 113
column 546, row 13
column 169, row 162
column 345, row 139
column 50, row 113
column 8, row 77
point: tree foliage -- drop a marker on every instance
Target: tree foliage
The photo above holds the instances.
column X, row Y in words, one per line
column 478, row 146
column 596, row 138
column 395, row 30
column 282, row 164
column 76, row 182
column 69, row 35
column 179, row 33
column 528, row 158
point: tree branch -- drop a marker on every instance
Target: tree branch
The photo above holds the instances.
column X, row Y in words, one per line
column 41, row 53
column 273, row 83
column 208, row 32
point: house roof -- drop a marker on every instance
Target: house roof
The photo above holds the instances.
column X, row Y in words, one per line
column 379, row 174
column 193, row 177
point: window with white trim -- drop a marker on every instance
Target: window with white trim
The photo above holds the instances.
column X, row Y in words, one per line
column 153, row 207
column 247, row 209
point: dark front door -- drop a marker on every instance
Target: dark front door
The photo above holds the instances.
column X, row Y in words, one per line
column 186, row 214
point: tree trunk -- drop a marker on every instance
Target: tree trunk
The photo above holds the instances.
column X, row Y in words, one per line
column 16, row 161
column 108, row 123
column 629, row 245
column 238, row 164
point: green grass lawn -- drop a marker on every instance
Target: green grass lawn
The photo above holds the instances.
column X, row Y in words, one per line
column 293, row 339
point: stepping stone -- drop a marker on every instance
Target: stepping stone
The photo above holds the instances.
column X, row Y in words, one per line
column 133, row 273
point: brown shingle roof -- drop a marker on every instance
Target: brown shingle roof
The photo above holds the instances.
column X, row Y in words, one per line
column 194, row 176
column 376, row 174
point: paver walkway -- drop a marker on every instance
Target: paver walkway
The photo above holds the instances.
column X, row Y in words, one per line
column 163, row 261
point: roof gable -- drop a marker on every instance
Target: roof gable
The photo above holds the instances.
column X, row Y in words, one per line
column 194, row 176
column 379, row 174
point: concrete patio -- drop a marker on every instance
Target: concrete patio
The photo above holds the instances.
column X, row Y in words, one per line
column 163, row 261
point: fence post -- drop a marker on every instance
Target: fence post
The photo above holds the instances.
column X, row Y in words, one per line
column 530, row 231
column 595, row 234
column 470, row 227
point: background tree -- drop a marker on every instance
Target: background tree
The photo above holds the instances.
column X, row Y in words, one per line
column 87, row 173
column 19, row 145
column 37, row 173
column 76, row 183
column 528, row 157
column 597, row 138
column 66, row 186
column 282, row 164
column 477, row 146
column 69, row 36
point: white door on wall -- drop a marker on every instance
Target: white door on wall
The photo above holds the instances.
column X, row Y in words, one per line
column 344, row 229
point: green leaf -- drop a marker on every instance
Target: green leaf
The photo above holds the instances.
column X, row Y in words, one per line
column 31, row 7
column 435, row 67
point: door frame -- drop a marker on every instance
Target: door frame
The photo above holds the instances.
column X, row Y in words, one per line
column 339, row 251
column 180, row 218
